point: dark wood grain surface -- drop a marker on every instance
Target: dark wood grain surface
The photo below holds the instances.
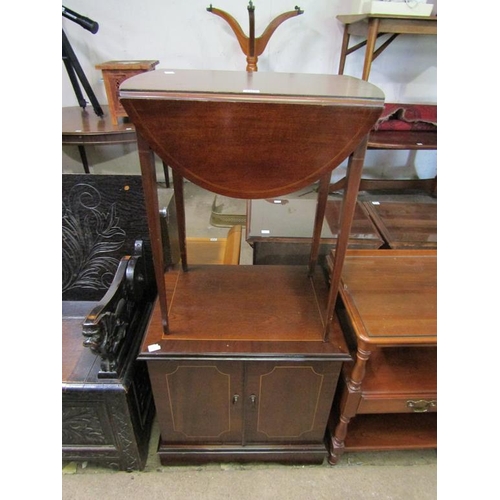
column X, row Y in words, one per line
column 257, row 135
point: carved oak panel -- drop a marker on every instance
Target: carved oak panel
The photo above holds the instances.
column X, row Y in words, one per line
column 102, row 216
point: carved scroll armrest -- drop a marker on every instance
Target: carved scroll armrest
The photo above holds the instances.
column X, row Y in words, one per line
column 105, row 327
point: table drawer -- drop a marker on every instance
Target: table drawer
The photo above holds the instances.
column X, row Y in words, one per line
column 422, row 403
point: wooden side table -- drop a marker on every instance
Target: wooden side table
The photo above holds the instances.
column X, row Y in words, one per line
column 116, row 72
column 372, row 26
column 387, row 398
column 244, row 360
column 83, row 128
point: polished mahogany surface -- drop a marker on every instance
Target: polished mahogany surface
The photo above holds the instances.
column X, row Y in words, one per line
column 211, row 313
column 391, row 296
column 256, row 134
column 83, row 126
column 240, row 85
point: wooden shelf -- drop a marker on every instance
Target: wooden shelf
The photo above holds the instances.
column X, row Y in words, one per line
column 390, row 139
column 278, row 305
column 400, row 370
column 405, row 431
column 394, row 140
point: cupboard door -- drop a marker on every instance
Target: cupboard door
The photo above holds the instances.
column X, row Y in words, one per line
column 288, row 402
column 198, row 401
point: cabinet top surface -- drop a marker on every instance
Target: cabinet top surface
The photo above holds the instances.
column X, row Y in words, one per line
column 244, row 311
column 255, row 86
column 391, row 296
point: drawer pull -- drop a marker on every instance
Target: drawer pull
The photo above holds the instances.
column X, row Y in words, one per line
column 235, row 398
column 253, row 400
column 420, row 405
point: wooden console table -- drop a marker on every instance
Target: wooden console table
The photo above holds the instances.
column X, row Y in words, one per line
column 244, row 360
column 372, row 26
column 387, row 398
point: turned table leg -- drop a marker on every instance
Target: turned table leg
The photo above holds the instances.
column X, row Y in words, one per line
column 348, row 405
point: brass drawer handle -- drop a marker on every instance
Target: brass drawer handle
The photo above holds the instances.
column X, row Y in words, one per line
column 420, row 405
column 235, row 398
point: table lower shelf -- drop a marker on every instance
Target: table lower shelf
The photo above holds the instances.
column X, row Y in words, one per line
column 397, row 431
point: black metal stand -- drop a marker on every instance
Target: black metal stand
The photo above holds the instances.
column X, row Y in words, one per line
column 75, row 73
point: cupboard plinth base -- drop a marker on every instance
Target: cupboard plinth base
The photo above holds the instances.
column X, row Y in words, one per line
column 313, row 454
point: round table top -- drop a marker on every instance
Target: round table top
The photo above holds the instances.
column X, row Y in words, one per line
column 84, row 126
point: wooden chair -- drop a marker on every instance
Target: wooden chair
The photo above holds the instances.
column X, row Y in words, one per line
column 256, row 348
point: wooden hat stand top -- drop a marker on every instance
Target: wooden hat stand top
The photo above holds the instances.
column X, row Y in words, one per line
column 249, row 135
column 251, row 45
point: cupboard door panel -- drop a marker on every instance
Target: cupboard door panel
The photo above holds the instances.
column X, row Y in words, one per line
column 289, row 402
column 198, row 401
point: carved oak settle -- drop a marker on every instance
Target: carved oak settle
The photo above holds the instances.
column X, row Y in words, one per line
column 107, row 405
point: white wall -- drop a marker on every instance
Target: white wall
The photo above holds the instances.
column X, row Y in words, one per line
column 182, row 34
